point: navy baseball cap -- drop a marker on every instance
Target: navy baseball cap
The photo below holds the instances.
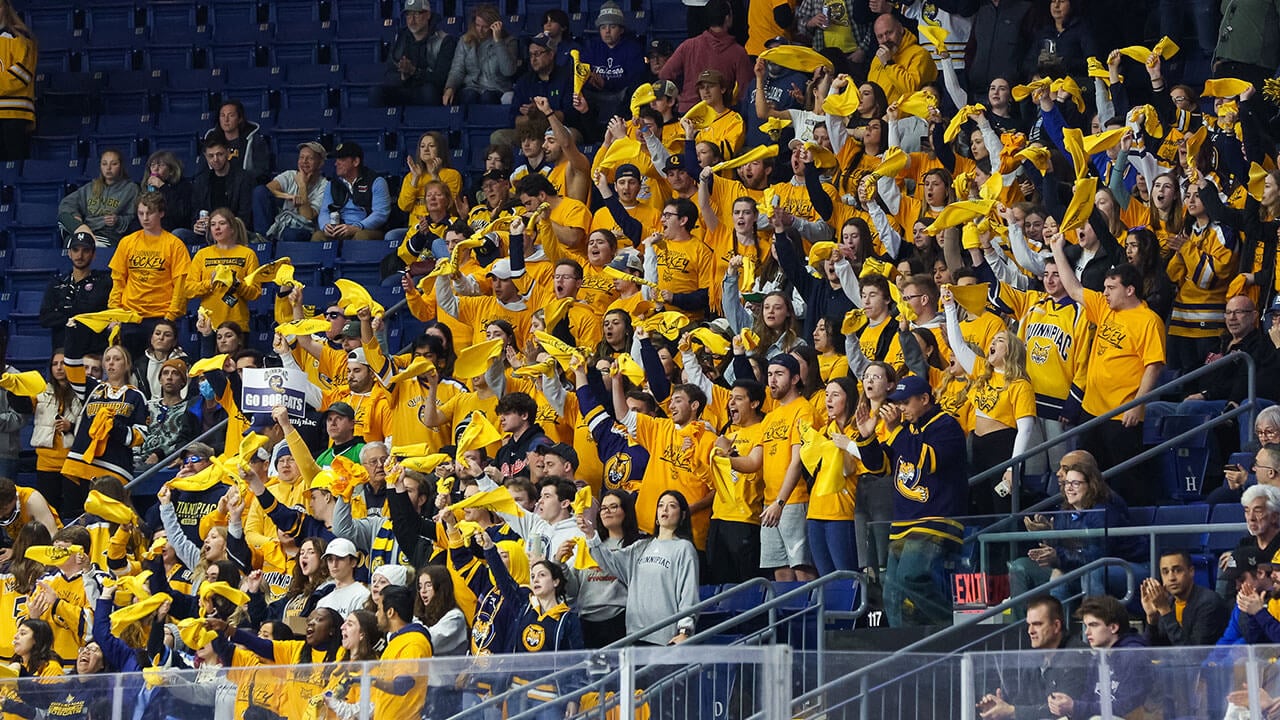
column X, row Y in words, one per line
column 909, row 387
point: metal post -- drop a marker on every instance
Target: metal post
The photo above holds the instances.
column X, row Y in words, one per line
column 626, row 682
column 968, row 700
column 1104, row 682
column 117, row 698
column 777, row 682
column 365, row 706
column 1254, row 680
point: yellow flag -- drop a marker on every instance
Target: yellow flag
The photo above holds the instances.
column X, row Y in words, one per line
column 759, row 152
column 971, row 297
column 1081, row 205
column 141, row 610
column 479, row 433
column 203, row 366
column 98, row 321
column 473, row 361
column 498, row 499
column 24, row 384
column 1224, row 87
column 713, row 341
column 581, row 500
column 797, row 57
column 630, row 369
column 582, row 559
column 581, row 71
column 109, row 509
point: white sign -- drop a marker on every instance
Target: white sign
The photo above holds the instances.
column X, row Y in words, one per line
column 268, row 387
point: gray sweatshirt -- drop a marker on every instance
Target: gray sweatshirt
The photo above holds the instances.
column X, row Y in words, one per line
column 668, row 572
column 82, row 206
column 599, row 594
column 489, row 65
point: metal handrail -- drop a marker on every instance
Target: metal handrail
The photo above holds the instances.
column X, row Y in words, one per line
column 797, row 704
column 499, row 698
column 164, row 463
column 1249, row 406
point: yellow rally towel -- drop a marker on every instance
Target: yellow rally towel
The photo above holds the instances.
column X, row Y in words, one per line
column 667, row 324
column 796, row 57
column 630, row 369
column 820, row 455
column 559, row 350
column 99, row 432
column 479, row 433
column 873, row 266
column 582, row 559
column 581, row 71
column 971, row 297
column 843, row 103
column 724, row 481
column 203, row 366
column 226, row 590
column 23, row 384
column 309, row 326
column 918, row 103
column 904, row 308
column 1022, row 92
column 1081, row 205
column 1165, row 48
column 194, row 633
column 51, row 555
column 641, row 97
column 355, row 298
column 1069, row 85
column 498, row 499
column 199, row 482
column 1037, row 156
column 937, row 36
column 620, row 152
column 820, row 252
column 556, row 310
column 1103, row 141
column 426, row 464
column 854, row 321
column 616, row 274
column 410, row 450
column 714, row 342
column 962, row 116
column 348, row 475
column 1224, row 87
column 98, row 321
column 892, row 162
column 134, row 586
column 957, row 213
column 822, row 157
column 272, row 272
column 224, row 276
column 1073, row 143
column 141, row 610
column 532, row 371
column 701, row 115
column 109, row 509
column 444, row 486
column 773, row 126
column 1100, row 71
column 581, row 500
column 473, row 361
column 418, row 367
column 1257, row 182
column 759, row 152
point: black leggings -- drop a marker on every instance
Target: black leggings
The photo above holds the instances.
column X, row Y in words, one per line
column 989, row 450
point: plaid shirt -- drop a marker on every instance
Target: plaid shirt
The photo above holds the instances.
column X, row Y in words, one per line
column 808, row 9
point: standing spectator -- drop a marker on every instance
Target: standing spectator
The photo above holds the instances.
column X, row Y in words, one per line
column 17, row 92
column 484, row 63
column 997, row 44
column 930, row 494
column 14, row 416
column 1246, row 41
column 162, row 347
column 301, row 193
column 172, row 427
column 220, row 185
column 617, row 62
column 246, row 149
column 1179, row 612
column 659, row 52
column 900, row 66
column 164, row 175
column 420, row 59
column 766, row 20
column 82, row 290
column 714, row 49
column 1106, row 626
column 555, row 26
column 356, row 199
column 148, row 273
column 53, row 431
column 224, row 295
column 1062, row 46
column 104, row 206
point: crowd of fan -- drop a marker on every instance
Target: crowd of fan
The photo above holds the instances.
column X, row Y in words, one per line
column 773, row 326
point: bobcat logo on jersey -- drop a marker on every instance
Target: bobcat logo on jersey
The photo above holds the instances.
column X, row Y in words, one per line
column 907, row 482
column 1038, row 353
column 534, row 637
column 617, row 471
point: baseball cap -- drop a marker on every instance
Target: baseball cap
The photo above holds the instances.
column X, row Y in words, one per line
column 666, row 88
column 674, row 162
column 416, row 6
column 627, row 259
column 351, row 329
column 341, row 408
column 626, row 170
column 501, row 269
column 714, row 77
column 81, row 239
column 564, row 452
column 348, row 150
column 909, row 387
column 341, row 547
column 313, row 146
column 261, row 423
column 495, row 176
column 542, row 40
column 1243, row 559
column 661, row 48
column 775, row 41
column 610, row 14
column 359, row 356
column 787, row 361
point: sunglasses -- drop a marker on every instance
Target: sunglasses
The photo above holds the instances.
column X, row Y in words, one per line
column 192, row 460
column 333, row 315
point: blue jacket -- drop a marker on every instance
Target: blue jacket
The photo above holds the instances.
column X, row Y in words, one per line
column 1131, row 680
column 557, row 89
column 1072, row 553
column 621, row 67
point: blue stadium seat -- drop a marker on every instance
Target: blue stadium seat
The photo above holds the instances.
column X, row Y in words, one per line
column 1142, row 515
column 348, row 12
column 26, row 312
column 126, row 102
column 490, row 117
column 163, row 15
column 131, row 80
column 234, row 12
column 1219, row 542
column 175, row 122
column 33, row 267
column 106, row 58
column 311, row 98
column 185, row 145
column 433, row 118
column 294, row 53
column 122, row 124
column 102, row 258
column 386, row 162
column 358, row 50
column 299, row 118
column 370, row 27
column 40, row 193
column 190, row 105
column 357, row 95
column 55, row 27
column 118, row 36
column 302, row 17
column 364, row 73
column 1169, row 515
column 28, row 352
column 326, row 75
column 177, row 57
column 48, row 171
column 308, row 254
column 234, row 56
column 209, row 79
column 364, row 251
column 63, row 148
column 382, row 118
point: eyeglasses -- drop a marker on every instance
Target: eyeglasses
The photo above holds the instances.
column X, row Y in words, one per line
column 610, row 508
column 562, row 276
column 1268, row 432
column 333, row 314
column 913, row 297
column 192, row 460
column 1074, row 483
column 670, row 215
column 1257, row 467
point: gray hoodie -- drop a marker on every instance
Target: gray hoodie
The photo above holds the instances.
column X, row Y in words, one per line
column 83, row 206
column 489, row 65
column 668, row 572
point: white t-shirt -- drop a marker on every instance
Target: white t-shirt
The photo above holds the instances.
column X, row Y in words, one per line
column 346, row 600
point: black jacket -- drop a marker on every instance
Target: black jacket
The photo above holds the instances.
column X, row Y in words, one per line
column 1203, row 621
column 177, row 204
column 239, row 194
column 432, row 56
column 1028, row 685
column 65, row 297
column 997, row 45
column 511, row 456
column 1232, row 382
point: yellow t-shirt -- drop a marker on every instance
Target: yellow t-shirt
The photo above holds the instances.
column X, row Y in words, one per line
column 597, row 289
column 1127, row 341
column 726, row 132
column 727, row 506
column 684, row 267
column 838, row 505
column 761, row 25
column 782, row 429
column 223, row 304
column 148, row 273
column 1000, row 399
column 673, row 466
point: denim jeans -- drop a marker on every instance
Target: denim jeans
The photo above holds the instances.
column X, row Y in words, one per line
column 916, row 591
column 831, row 545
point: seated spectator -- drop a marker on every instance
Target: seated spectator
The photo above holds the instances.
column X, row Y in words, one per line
column 246, row 149
column 657, row 55
column 430, row 167
column 1179, row 612
column 544, row 78
column 900, row 66
column 301, row 193
column 220, row 185
column 555, row 26
column 419, row 62
column 713, row 50
column 1026, row 693
column 357, row 199
column 161, row 348
column 617, row 62
column 81, row 290
column 484, row 63
column 104, row 206
column 1106, row 626
column 164, row 175
column 1262, row 516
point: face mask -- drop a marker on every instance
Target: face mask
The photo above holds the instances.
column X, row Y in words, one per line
column 206, row 390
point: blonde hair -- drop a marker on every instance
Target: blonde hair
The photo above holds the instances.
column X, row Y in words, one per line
column 490, row 14
column 238, row 231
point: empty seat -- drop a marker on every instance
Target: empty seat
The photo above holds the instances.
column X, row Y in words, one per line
column 293, row 53
column 126, row 102
column 364, row 72
column 235, row 55
column 308, row 254
column 358, row 50
column 122, row 124
column 164, row 14
column 433, row 118
column 209, row 79
column 326, row 75
column 29, row 192
column 50, row 170
column 62, row 148
column 28, row 352
column 1173, row 515
column 1219, row 542
column 106, row 58
column 176, row 57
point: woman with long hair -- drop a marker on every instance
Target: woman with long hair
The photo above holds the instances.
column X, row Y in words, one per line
column 830, row 526
column 666, row 567
column 485, row 62
column 602, row 600
column 198, row 558
column 56, row 410
column 164, row 176
column 33, row 648
column 558, row 630
column 309, row 573
column 1200, row 270
column 873, row 500
column 776, row 325
column 856, row 242
column 319, row 652
column 738, row 235
column 1142, row 250
column 113, row 419
column 105, row 207
column 219, row 272
column 615, row 335
column 446, row 625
